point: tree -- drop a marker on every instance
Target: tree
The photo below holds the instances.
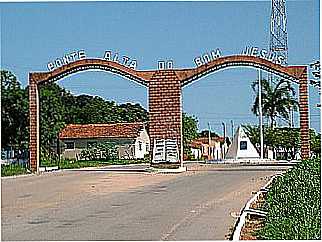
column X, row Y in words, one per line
column 58, row 107
column 14, row 112
column 287, row 139
column 316, row 73
column 98, row 110
column 133, row 113
column 85, row 109
column 315, row 142
column 52, row 114
column 190, row 132
column 276, row 100
column 253, row 134
column 205, row 133
column 72, row 109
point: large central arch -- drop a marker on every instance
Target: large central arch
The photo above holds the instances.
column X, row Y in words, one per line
column 165, row 95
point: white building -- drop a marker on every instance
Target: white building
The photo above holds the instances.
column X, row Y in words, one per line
column 131, row 139
column 213, row 149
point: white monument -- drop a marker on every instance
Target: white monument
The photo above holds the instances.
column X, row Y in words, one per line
column 241, row 148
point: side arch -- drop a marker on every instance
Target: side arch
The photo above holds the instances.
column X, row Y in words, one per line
column 38, row 78
column 296, row 74
column 141, row 77
column 292, row 73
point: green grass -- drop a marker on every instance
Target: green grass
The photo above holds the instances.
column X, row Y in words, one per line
column 294, row 204
column 13, row 169
column 71, row 164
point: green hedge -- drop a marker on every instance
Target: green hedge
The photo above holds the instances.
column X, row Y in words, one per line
column 71, row 164
column 66, row 164
column 294, row 204
column 13, row 169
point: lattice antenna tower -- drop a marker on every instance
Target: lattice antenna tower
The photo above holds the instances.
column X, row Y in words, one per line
column 278, row 30
column 278, row 39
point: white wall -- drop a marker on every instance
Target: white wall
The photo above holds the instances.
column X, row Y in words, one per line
column 196, row 153
column 145, row 144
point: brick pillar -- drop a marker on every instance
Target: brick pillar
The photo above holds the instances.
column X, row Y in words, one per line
column 304, row 116
column 34, row 125
column 165, row 110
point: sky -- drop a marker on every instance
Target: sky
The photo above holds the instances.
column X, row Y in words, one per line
column 33, row 34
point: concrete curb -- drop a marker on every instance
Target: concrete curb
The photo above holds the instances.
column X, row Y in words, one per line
column 247, row 210
column 167, row 171
column 108, row 168
column 48, row 168
column 252, row 163
column 194, row 162
column 18, row 176
column 128, row 165
column 112, row 170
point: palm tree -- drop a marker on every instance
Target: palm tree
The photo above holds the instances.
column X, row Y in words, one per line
column 276, row 100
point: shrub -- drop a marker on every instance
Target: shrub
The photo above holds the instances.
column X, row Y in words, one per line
column 13, row 169
column 102, row 151
column 294, row 205
column 48, row 158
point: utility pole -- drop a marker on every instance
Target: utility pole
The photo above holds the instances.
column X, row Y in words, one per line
column 260, row 113
column 209, row 134
column 209, row 139
column 232, row 130
column 224, row 128
column 291, row 117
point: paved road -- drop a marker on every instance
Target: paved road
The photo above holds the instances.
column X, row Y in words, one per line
column 74, row 205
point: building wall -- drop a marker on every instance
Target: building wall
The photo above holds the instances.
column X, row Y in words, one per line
column 196, row 153
column 142, row 145
column 212, row 152
column 127, row 148
column 126, row 151
column 124, row 146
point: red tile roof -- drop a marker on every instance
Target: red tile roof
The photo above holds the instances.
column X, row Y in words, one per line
column 196, row 143
column 117, row 130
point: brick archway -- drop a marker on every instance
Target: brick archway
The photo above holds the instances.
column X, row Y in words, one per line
column 165, row 94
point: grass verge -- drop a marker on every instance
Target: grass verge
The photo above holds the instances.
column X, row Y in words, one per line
column 71, row 164
column 13, row 169
column 294, row 205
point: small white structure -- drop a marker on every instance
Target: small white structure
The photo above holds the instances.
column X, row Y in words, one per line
column 241, row 148
column 212, row 149
column 270, row 154
column 131, row 139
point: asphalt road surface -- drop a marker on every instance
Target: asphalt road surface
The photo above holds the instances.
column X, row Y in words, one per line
column 200, row 204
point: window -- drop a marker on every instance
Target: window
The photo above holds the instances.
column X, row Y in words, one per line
column 147, row 147
column 243, row 145
column 70, row 145
column 91, row 144
column 140, row 145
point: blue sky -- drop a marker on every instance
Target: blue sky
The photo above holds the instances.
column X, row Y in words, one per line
column 32, row 34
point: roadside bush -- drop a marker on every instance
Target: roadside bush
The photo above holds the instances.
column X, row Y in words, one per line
column 48, row 158
column 13, row 169
column 294, row 204
column 147, row 157
column 103, row 151
column 66, row 164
